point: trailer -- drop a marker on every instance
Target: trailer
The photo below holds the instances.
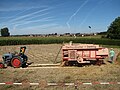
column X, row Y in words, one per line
column 83, row 53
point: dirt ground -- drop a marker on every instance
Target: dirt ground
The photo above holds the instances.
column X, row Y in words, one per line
column 46, row 54
column 36, row 53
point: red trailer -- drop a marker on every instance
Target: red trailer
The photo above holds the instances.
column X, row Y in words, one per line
column 83, row 53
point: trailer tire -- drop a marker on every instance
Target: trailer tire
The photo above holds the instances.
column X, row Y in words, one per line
column 16, row 62
column 66, row 63
column 98, row 62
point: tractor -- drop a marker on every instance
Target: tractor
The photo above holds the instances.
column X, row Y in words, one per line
column 15, row 60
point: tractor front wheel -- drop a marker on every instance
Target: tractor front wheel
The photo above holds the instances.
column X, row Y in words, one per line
column 16, row 62
column 1, row 65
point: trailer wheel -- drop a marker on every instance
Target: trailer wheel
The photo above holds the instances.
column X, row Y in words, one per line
column 98, row 62
column 16, row 62
column 66, row 63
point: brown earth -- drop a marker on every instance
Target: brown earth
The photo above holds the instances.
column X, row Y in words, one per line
column 46, row 54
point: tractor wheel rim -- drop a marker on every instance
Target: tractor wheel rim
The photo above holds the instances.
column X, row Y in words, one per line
column 1, row 65
column 16, row 62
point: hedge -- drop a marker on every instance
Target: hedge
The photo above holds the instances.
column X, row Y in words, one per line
column 57, row 40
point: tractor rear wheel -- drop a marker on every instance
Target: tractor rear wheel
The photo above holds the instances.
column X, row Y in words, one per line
column 16, row 62
column 1, row 65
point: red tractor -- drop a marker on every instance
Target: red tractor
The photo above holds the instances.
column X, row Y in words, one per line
column 14, row 60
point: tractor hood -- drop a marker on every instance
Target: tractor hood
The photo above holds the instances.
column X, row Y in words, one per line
column 7, row 55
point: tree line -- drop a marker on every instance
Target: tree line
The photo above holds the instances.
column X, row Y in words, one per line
column 113, row 31
column 5, row 32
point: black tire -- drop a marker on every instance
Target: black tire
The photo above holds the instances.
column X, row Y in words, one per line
column 66, row 63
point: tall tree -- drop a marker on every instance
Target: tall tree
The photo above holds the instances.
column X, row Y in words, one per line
column 5, row 32
column 113, row 31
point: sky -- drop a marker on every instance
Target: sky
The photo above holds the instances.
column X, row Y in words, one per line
column 57, row 16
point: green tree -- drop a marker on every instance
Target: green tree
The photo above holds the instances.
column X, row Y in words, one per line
column 113, row 31
column 5, row 32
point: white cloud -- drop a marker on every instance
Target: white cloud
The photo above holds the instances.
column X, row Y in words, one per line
column 29, row 19
column 25, row 16
column 40, row 26
column 33, row 21
column 74, row 14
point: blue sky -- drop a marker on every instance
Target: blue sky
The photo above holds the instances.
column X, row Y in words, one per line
column 57, row 16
